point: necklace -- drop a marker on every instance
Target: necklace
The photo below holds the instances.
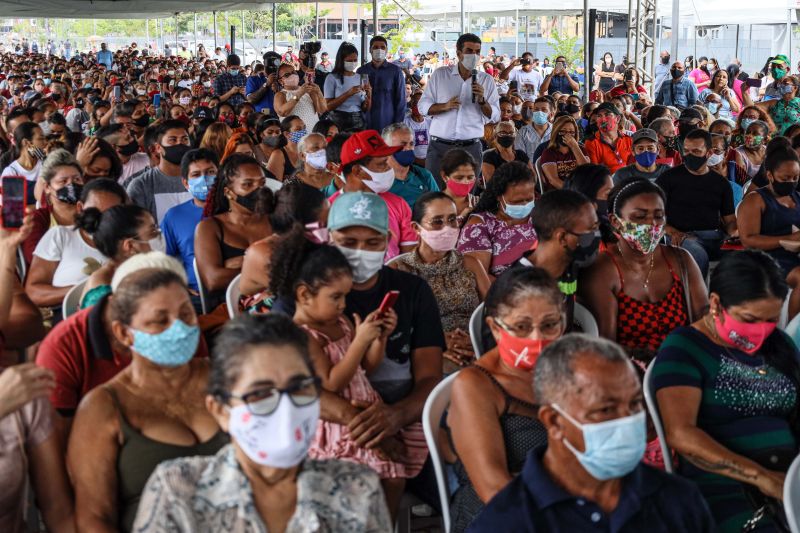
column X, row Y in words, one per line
column 646, row 282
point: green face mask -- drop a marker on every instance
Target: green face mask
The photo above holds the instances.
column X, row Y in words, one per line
column 778, row 73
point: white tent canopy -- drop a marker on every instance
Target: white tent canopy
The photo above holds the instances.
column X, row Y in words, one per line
column 122, row 9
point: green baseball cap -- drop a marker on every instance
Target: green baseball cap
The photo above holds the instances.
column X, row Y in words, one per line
column 359, row 209
column 780, row 59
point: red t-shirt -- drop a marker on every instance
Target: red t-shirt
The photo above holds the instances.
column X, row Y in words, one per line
column 78, row 351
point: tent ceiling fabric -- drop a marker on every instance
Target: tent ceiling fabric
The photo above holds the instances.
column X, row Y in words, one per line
column 122, row 9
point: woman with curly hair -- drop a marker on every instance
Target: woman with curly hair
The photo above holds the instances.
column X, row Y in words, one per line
column 216, row 138
column 499, row 229
column 233, row 219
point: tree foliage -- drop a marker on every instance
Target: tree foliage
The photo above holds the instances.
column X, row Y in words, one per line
column 564, row 45
column 398, row 37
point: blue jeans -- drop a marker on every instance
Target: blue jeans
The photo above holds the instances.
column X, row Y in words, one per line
column 703, row 246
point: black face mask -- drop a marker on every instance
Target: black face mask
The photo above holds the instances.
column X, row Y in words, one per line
column 586, row 252
column 248, row 201
column 142, row 121
column 129, row 149
column 602, row 208
column 694, row 162
column 505, row 140
column 174, row 154
column 783, row 188
column 79, row 103
column 70, row 194
column 665, row 60
column 572, row 108
column 676, row 74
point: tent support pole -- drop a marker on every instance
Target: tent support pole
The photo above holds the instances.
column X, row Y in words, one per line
column 587, row 50
column 215, row 30
column 147, row 33
column 374, row 17
column 274, row 28
column 195, row 34
column 462, row 17
column 789, row 36
column 736, row 48
column 676, row 15
column 176, row 33
column 516, row 31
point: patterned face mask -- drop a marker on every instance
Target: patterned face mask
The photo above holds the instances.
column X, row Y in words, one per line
column 174, row 346
column 643, row 238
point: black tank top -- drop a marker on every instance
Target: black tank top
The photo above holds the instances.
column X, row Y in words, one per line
column 606, row 84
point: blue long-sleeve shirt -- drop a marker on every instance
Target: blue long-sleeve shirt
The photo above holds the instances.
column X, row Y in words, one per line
column 682, row 94
column 388, row 94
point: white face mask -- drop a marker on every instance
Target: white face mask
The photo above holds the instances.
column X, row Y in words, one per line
column 317, row 159
column 364, row 263
column 715, row 159
column 185, row 100
column 351, row 66
column 277, row 440
column 379, row 54
column 380, row 181
column 158, row 244
column 469, row 61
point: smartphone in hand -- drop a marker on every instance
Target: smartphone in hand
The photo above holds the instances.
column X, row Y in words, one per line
column 14, row 195
column 388, row 302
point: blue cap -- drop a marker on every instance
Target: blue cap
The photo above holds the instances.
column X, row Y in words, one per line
column 359, row 209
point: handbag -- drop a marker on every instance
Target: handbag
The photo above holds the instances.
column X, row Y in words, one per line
column 687, row 293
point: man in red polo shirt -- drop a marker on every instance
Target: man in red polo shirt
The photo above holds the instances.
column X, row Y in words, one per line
column 83, row 354
column 609, row 147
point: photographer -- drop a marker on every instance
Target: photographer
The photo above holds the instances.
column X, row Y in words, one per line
column 559, row 81
column 259, row 88
column 629, row 85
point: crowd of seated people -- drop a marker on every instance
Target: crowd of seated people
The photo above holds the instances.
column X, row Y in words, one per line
column 228, row 310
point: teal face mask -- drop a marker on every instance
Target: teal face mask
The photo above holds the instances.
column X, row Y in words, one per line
column 518, row 212
column 613, row 448
column 175, row 346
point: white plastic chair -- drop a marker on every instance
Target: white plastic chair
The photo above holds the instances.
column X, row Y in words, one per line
column 475, row 323
column 200, row 288
column 396, row 258
column 793, row 330
column 232, row 297
column 437, row 402
column 784, row 319
column 22, row 266
column 791, row 496
column 585, row 319
column 72, row 300
column 655, row 416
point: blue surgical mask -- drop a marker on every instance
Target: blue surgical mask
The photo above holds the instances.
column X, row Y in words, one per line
column 175, row 346
column 540, row 118
column 786, row 89
column 518, row 211
column 295, row 136
column 199, row 186
column 712, row 108
column 233, row 72
column 746, row 123
column 646, row 159
column 613, row 448
column 404, row 157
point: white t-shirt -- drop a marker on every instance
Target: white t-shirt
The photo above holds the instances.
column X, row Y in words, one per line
column 15, row 169
column 528, row 83
column 421, row 137
column 138, row 162
column 65, row 245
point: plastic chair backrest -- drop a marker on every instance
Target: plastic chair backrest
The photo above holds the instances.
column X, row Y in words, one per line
column 396, row 258
column 475, row 323
column 435, row 406
column 783, row 321
column 232, row 297
column 793, row 330
column 72, row 300
column 585, row 319
column 200, row 288
column 655, row 416
column 540, row 177
column 791, row 496
column 22, row 266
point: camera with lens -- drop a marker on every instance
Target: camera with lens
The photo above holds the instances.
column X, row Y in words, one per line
column 272, row 61
column 524, row 61
column 628, row 75
column 309, row 49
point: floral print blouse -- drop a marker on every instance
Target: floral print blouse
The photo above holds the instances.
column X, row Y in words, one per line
column 506, row 242
column 211, row 494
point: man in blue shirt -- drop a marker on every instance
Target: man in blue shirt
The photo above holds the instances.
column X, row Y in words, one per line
column 559, row 80
column 259, row 90
column 590, row 477
column 198, row 172
column 388, row 85
column 678, row 91
column 104, row 56
column 410, row 181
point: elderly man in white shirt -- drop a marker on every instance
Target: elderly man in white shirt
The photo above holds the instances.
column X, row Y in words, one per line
column 459, row 107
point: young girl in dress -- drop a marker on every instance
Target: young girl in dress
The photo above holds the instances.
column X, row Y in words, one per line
column 317, row 278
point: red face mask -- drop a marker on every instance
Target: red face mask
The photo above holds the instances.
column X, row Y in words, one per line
column 607, row 123
column 747, row 337
column 519, row 352
column 460, row 189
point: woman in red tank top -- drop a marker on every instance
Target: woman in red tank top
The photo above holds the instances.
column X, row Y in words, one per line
column 635, row 289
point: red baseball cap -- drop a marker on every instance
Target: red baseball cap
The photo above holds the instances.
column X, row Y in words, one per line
column 363, row 144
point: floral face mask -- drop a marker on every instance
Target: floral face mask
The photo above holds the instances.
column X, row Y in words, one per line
column 643, row 238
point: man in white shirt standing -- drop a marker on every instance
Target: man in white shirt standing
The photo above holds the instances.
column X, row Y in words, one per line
column 458, row 107
column 528, row 80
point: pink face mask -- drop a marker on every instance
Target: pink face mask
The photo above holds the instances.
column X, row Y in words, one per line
column 607, row 123
column 442, row 240
column 460, row 189
column 747, row 337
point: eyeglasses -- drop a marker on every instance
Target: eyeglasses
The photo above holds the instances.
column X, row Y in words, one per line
column 440, row 222
column 546, row 329
column 265, row 401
